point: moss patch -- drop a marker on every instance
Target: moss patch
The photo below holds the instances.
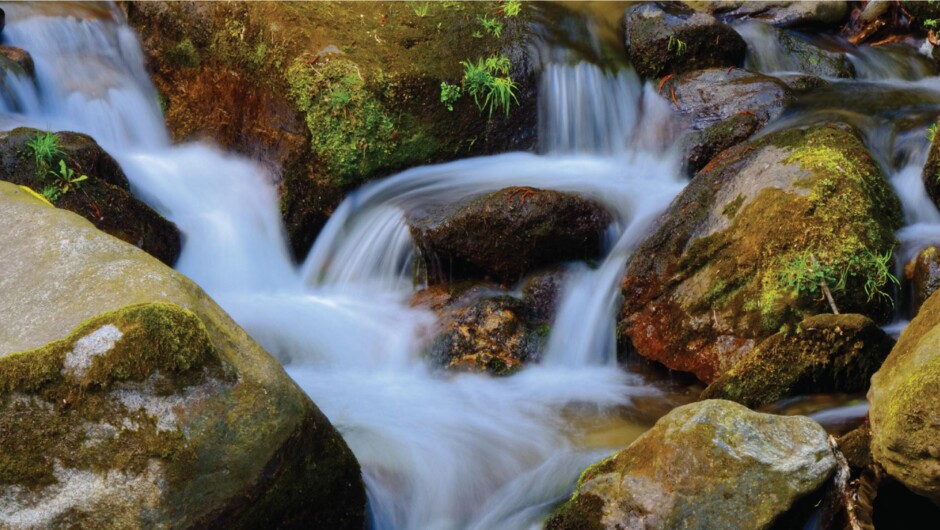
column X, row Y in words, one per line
column 49, row 415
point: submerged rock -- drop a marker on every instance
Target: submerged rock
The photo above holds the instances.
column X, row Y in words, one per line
column 742, row 250
column 807, row 57
column 711, row 464
column 157, row 410
column 826, row 353
column 905, row 402
column 104, row 198
column 665, row 39
column 923, row 273
column 508, row 233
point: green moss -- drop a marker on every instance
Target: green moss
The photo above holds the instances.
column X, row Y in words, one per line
column 45, row 408
column 731, row 209
column 184, row 54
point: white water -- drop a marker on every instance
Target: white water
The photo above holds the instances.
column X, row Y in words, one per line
column 437, row 451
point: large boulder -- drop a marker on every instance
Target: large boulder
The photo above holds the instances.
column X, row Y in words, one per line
column 104, row 198
column 798, row 54
column 711, row 464
column 328, row 106
column 723, row 108
column 780, row 13
column 508, row 233
column 748, row 246
column 156, row 410
column 826, row 353
column 905, row 402
column 663, row 39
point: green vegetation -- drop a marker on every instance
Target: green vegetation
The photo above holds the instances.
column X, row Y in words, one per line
column 420, row 8
column 488, row 81
column 804, row 273
column 930, row 23
column 492, row 26
column 44, row 147
column 184, row 54
column 932, row 132
column 65, row 178
column 679, row 45
column 512, row 8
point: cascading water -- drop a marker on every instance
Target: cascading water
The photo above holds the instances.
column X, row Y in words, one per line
column 437, row 451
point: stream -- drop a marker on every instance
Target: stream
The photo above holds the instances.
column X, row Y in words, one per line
column 443, row 451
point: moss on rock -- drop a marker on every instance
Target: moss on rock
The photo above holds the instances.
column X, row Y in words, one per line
column 704, row 289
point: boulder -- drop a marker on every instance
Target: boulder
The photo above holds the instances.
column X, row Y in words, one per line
column 508, row 233
column 780, row 13
column 156, row 410
column 923, row 274
column 104, row 198
column 744, row 249
column 799, row 54
column 932, row 168
column 711, row 464
column 825, row 354
column 663, row 39
column 722, row 108
column 904, row 403
column 17, row 59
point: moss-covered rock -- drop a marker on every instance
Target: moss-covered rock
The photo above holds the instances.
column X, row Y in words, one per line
column 741, row 252
column 780, row 13
column 809, row 57
column 164, row 413
column 663, row 39
column 904, row 402
column 932, row 168
column 826, row 353
column 104, row 198
column 923, row 277
column 18, row 60
column 332, row 94
column 508, row 233
column 712, row 464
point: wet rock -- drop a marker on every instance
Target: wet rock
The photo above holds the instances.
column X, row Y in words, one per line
column 923, row 273
column 489, row 334
column 712, row 464
column 157, row 410
column 220, row 78
column 780, row 13
column 17, row 59
column 904, row 400
column 663, row 39
column 740, row 251
column 932, row 169
column 803, row 83
column 723, row 108
column 810, row 58
column 508, row 233
column 541, row 294
column 104, row 198
column 826, row 353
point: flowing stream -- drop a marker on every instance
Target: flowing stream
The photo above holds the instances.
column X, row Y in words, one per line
column 438, row 451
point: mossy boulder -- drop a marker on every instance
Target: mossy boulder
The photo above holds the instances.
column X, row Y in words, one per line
column 329, row 95
column 667, row 39
column 825, row 354
column 722, row 108
column 923, row 276
column 156, row 410
column 932, row 169
column 904, row 403
column 810, row 57
column 505, row 234
column 741, row 252
column 780, row 13
column 711, row 464
column 104, row 198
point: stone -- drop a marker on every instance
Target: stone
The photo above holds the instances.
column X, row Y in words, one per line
column 780, row 13
column 156, row 409
column 663, row 39
column 923, row 273
column 711, row 464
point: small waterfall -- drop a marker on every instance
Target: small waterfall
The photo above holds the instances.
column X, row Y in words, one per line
column 437, row 451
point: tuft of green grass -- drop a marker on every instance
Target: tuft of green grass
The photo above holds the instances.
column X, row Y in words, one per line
column 679, row 45
column 512, row 8
column 491, row 25
column 490, row 84
column 44, row 147
column 420, row 8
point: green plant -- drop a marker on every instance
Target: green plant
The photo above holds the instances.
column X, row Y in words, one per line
column 930, row 23
column 932, row 132
column 420, row 8
column 489, row 83
column 477, row 34
column 491, row 25
column 450, row 94
column 183, row 53
column 65, row 179
column 679, row 45
column 50, row 193
column 512, row 8
column 44, row 146
column 807, row 274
